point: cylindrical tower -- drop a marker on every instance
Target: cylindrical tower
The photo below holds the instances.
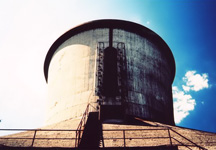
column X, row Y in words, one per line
column 121, row 68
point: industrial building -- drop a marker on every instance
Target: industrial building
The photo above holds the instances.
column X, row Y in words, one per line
column 110, row 87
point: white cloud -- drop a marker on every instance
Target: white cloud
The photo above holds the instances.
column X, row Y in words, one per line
column 183, row 104
column 186, row 88
column 194, row 81
column 183, row 101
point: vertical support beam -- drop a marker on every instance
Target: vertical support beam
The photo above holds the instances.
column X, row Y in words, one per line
column 79, row 132
column 76, row 141
column 124, row 138
column 111, row 37
column 101, row 136
column 33, row 138
column 170, row 137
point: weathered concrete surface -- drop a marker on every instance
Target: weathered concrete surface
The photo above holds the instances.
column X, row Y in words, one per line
column 151, row 130
column 144, row 75
column 149, row 78
column 71, row 83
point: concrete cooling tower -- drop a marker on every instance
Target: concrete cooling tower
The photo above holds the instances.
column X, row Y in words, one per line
column 124, row 70
column 109, row 87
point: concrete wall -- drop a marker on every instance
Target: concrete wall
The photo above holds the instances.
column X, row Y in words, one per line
column 149, row 78
column 71, row 81
column 73, row 68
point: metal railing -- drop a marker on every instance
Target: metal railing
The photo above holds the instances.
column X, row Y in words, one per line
column 81, row 126
column 169, row 137
column 193, row 144
column 127, row 136
column 18, row 136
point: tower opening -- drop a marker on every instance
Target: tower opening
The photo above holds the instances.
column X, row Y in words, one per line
column 110, row 84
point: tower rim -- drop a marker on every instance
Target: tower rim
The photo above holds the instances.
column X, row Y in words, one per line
column 113, row 24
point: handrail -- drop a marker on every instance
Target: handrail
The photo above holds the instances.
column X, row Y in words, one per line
column 124, row 132
column 169, row 137
column 181, row 143
column 187, row 139
column 182, row 136
column 7, row 137
column 36, row 130
column 81, row 124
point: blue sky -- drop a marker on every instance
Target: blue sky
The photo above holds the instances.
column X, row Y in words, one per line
column 29, row 27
